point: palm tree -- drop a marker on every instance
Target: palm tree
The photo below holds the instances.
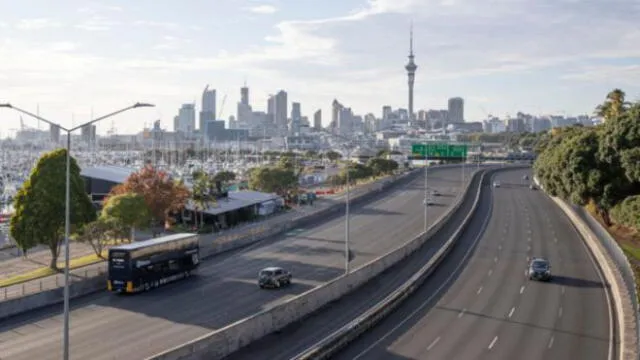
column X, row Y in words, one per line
column 614, row 105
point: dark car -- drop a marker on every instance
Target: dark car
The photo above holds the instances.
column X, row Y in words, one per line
column 273, row 277
column 533, row 187
column 539, row 269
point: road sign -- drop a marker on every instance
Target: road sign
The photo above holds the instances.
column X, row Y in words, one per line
column 439, row 150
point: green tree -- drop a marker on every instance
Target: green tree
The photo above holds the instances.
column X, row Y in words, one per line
column 224, row 176
column 627, row 212
column 333, row 155
column 613, row 106
column 273, row 180
column 128, row 209
column 203, row 193
column 98, row 233
column 39, row 216
column 380, row 166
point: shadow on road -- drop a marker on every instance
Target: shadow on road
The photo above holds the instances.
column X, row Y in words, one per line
column 575, row 282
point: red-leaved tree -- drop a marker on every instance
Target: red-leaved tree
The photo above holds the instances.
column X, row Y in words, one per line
column 162, row 194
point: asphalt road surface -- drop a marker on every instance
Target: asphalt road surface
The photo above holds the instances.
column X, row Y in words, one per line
column 107, row 326
column 480, row 305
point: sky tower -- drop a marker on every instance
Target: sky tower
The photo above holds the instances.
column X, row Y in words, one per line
column 411, row 68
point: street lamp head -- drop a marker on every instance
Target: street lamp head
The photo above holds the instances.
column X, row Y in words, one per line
column 137, row 105
column 5, row 105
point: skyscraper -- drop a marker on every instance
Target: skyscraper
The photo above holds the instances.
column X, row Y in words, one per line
column 411, row 68
column 187, row 119
column 456, row 110
column 244, row 95
column 317, row 120
column 208, row 111
column 296, row 118
column 280, row 111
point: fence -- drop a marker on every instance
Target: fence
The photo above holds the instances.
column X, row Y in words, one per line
column 209, row 243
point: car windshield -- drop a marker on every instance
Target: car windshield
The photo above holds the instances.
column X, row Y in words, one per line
column 266, row 273
column 540, row 265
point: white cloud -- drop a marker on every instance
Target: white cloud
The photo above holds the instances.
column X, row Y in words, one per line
column 157, row 24
column 37, row 24
column 96, row 23
column 171, row 43
column 62, row 46
column 263, row 9
column 628, row 75
column 98, row 8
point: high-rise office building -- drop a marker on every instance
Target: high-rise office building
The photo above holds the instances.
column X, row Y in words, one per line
column 317, row 120
column 456, row 110
column 186, row 121
column 411, row 68
column 244, row 95
column 296, row 118
column 208, row 111
column 280, row 112
column 54, row 133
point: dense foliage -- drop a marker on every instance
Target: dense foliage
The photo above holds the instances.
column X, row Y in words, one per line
column 598, row 165
column 375, row 167
column 39, row 216
column 128, row 210
column 273, row 180
column 161, row 193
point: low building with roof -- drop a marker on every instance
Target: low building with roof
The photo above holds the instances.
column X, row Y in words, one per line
column 99, row 180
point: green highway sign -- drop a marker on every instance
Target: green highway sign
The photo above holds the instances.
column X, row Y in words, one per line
column 439, row 150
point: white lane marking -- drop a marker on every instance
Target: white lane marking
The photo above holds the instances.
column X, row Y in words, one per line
column 499, row 247
column 461, row 313
column 562, row 289
column 529, row 239
column 513, row 309
column 555, row 239
column 521, row 289
column 479, row 290
column 493, row 342
column 560, row 312
column 550, row 343
column 433, row 343
column 495, row 259
column 438, row 290
column 490, row 272
column 528, row 248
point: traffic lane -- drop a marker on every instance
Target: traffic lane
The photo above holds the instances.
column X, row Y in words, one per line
column 451, row 324
column 567, row 318
column 224, row 292
column 519, row 320
column 297, row 337
column 374, row 343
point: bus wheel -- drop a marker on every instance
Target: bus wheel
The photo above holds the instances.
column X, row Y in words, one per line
column 147, row 287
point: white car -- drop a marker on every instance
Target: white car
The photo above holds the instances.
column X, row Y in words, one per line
column 428, row 201
column 496, row 184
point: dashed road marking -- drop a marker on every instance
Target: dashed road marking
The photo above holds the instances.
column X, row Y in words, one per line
column 433, row 343
column 479, row 290
column 493, row 342
column 529, row 239
column 461, row 313
column 490, row 272
column 499, row 247
column 560, row 312
column 562, row 290
column 513, row 309
column 495, row 259
column 521, row 289
column 529, row 248
column 550, row 343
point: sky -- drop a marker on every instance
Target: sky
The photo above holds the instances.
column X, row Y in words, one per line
column 73, row 59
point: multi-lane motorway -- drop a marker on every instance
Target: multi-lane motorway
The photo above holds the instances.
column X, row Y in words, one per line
column 105, row 326
column 480, row 305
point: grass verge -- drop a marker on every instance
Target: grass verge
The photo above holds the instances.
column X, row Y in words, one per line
column 629, row 241
column 44, row 271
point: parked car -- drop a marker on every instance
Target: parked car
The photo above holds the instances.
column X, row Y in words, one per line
column 273, row 277
column 496, row 184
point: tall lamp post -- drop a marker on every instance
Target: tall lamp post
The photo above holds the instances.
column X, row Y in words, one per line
column 67, row 200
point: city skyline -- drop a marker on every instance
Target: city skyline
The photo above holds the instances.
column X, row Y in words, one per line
column 103, row 57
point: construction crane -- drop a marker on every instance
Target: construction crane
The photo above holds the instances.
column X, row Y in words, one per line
column 224, row 100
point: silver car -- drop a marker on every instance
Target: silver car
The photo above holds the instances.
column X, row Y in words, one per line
column 273, row 277
column 539, row 269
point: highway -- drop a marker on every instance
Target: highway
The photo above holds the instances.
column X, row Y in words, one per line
column 107, row 326
column 480, row 305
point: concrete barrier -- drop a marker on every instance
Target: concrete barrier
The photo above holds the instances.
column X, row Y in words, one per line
column 220, row 343
column 330, row 345
column 624, row 314
column 82, row 287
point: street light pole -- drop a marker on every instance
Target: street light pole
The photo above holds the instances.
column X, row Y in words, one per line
column 346, row 225
column 67, row 198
